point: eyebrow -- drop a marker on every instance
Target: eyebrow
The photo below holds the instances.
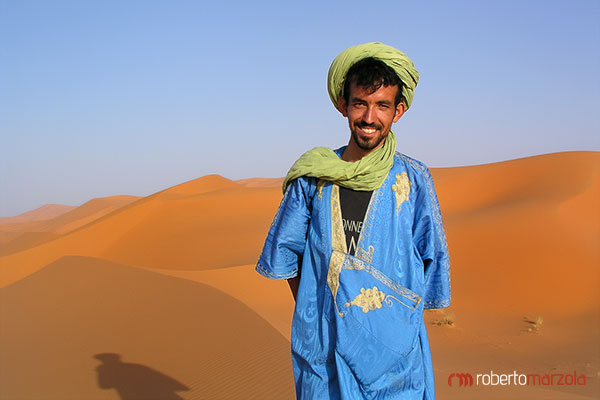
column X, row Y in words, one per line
column 381, row 102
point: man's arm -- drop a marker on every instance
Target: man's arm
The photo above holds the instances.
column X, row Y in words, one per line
column 430, row 241
column 294, row 282
column 281, row 256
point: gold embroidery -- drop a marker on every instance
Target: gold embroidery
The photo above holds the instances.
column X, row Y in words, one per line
column 320, row 185
column 411, row 299
column 366, row 256
column 402, row 189
column 368, row 299
column 371, row 299
column 333, row 275
column 338, row 245
column 338, row 240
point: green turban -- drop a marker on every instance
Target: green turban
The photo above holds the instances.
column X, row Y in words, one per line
column 392, row 57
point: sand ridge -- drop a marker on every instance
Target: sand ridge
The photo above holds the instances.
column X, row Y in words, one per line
column 47, row 211
column 15, row 237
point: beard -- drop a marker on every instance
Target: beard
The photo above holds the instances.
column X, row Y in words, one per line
column 370, row 143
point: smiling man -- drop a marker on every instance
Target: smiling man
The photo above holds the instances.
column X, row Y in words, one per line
column 359, row 237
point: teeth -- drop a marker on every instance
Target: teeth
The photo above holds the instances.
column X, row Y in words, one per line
column 368, row 130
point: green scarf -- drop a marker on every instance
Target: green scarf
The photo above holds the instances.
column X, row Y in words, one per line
column 368, row 173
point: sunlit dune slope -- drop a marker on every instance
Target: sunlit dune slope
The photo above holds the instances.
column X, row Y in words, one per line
column 23, row 235
column 55, row 321
column 13, row 227
column 73, row 218
column 261, row 182
column 88, row 212
column 205, row 223
column 549, row 178
column 524, row 234
column 46, row 211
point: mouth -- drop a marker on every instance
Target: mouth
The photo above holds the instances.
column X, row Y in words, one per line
column 368, row 130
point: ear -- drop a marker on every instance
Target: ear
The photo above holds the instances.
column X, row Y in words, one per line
column 400, row 108
column 343, row 106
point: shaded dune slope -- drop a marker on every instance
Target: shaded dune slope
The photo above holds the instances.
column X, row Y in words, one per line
column 57, row 319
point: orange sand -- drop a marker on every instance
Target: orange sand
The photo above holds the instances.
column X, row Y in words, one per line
column 18, row 236
column 44, row 212
column 166, row 282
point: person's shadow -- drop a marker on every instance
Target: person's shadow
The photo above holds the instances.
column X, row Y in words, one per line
column 135, row 381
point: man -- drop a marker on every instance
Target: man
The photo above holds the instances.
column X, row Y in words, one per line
column 359, row 237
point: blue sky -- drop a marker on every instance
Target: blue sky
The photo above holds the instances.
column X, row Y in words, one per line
column 100, row 98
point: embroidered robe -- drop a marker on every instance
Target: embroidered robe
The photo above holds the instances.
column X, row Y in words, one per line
column 358, row 329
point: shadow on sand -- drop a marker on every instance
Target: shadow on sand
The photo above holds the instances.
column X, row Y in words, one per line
column 135, row 381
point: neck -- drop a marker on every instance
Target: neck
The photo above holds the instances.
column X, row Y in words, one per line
column 353, row 153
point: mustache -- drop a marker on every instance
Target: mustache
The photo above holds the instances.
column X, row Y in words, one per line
column 362, row 124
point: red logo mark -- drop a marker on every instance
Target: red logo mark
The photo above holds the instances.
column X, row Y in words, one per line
column 463, row 379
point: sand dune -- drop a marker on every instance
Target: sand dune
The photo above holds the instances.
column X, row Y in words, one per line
column 523, row 237
column 56, row 320
column 514, row 229
column 72, row 218
column 26, row 240
column 547, row 178
column 47, row 211
column 261, row 182
column 15, row 237
column 188, row 226
column 272, row 300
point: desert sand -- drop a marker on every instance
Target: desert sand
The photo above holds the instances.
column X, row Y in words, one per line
column 47, row 211
column 99, row 300
column 35, row 227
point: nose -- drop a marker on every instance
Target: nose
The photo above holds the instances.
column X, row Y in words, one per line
column 369, row 115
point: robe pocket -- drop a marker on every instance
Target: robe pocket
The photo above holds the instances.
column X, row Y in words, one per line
column 376, row 319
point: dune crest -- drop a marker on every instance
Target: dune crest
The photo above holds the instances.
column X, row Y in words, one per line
column 47, row 211
column 15, row 237
column 261, row 182
column 205, row 184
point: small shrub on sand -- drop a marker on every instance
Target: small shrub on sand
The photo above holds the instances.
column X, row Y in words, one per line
column 534, row 324
column 446, row 319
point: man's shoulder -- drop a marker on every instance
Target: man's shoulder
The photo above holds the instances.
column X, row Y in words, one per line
column 412, row 166
column 303, row 184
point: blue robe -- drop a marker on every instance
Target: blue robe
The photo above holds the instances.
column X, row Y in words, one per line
column 358, row 329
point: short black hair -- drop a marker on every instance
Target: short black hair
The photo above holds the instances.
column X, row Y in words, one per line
column 372, row 74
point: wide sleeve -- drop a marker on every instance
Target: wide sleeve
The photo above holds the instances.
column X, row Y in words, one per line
column 430, row 241
column 282, row 253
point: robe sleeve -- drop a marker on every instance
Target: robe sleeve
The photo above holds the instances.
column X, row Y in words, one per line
column 430, row 240
column 283, row 249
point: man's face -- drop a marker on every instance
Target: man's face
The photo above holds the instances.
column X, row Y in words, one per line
column 370, row 115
